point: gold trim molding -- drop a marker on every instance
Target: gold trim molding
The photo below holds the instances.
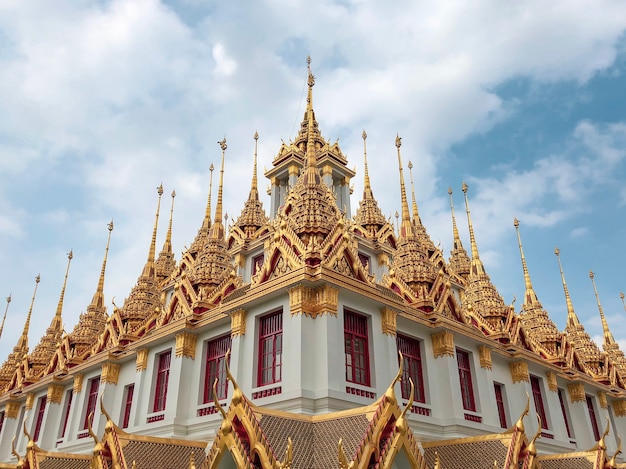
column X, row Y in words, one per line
column 78, row 383
column 55, row 393
column 576, row 392
column 484, row 355
column 238, row 322
column 186, row 345
column 551, row 379
column 604, row 403
column 12, row 409
column 110, row 372
column 142, row 359
column 519, row 371
column 30, row 400
column 619, row 407
column 443, row 344
column 313, row 302
column 388, row 318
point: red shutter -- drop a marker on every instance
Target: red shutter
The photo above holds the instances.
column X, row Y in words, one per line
column 68, row 405
column 130, row 390
column 215, row 367
column 270, row 348
column 412, row 368
column 592, row 417
column 162, row 379
column 465, row 380
column 92, row 399
column 538, row 398
column 41, row 410
column 356, row 348
column 564, row 410
column 500, row 404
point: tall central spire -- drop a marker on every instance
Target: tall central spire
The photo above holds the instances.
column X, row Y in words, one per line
column 406, row 230
column 459, row 260
column 310, row 177
column 572, row 319
column 98, row 298
column 608, row 337
column 475, row 258
column 530, row 297
column 57, row 322
column 22, row 343
column 217, row 230
column 165, row 264
column 148, row 270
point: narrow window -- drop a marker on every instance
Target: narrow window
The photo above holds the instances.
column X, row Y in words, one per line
column 535, row 384
column 215, row 368
column 69, row 394
column 412, row 368
column 129, row 390
column 564, row 410
column 497, row 387
column 41, row 409
column 356, row 348
column 270, row 348
column 592, row 417
column 92, row 399
column 162, row 378
column 465, row 380
column 1, row 421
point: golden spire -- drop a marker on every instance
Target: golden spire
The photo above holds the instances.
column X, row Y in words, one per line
column 148, row 270
column 311, row 176
column 57, row 322
column 22, row 343
column 406, row 230
column 254, row 189
column 572, row 319
column 165, row 264
column 416, row 216
column 471, row 228
column 207, row 213
column 217, row 230
column 459, row 260
column 418, row 228
column 368, row 215
column 98, row 298
column 608, row 337
column 5, row 314
column 530, row 298
column 367, row 188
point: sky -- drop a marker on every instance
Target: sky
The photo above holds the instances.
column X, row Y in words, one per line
column 101, row 101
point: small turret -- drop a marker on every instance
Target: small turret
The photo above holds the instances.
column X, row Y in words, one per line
column 459, row 261
column 165, row 264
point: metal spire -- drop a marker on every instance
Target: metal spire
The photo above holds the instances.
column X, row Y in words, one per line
column 98, row 298
column 217, row 230
column 608, row 337
column 572, row 319
column 149, row 270
column 530, row 298
column 406, row 229
column 5, row 314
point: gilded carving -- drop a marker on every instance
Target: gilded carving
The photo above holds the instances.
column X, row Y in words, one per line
column 383, row 259
column 12, row 409
column 313, row 301
column 186, row 345
column 551, row 378
column 142, row 359
column 443, row 344
column 78, row 382
column 519, row 371
column 30, row 400
column 55, row 393
column 576, row 392
column 388, row 318
column 484, row 355
column 238, row 322
column 110, row 372
column 602, row 400
column 619, row 407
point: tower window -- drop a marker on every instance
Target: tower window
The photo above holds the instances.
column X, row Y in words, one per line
column 215, row 368
column 128, row 403
column 535, row 384
column 92, row 399
column 356, row 348
column 564, row 411
column 499, row 391
column 465, row 380
column 592, row 416
column 270, row 348
column 69, row 394
column 41, row 410
column 162, row 379
column 412, row 368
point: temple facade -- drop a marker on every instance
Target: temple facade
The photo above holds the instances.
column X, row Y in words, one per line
column 310, row 336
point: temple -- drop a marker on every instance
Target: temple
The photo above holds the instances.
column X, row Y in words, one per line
column 309, row 336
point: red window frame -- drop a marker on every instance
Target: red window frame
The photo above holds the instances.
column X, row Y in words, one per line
column 356, row 348
column 465, row 380
column 592, row 417
column 162, row 380
column 41, row 410
column 564, row 410
column 412, row 368
column 535, row 385
column 215, row 367
column 1, row 421
column 497, row 387
column 129, row 390
column 270, row 348
column 68, row 405
column 92, row 399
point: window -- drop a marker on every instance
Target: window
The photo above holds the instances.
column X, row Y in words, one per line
column 92, row 399
column 412, row 368
column 162, row 378
column 592, row 417
column 535, row 384
column 365, row 261
column 465, row 380
column 215, row 368
column 66, row 412
column 41, row 410
column 357, row 353
column 1, row 421
column 498, row 388
column 270, row 348
column 564, row 410
column 257, row 262
column 129, row 390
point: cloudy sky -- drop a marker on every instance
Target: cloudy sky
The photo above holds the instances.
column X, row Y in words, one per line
column 102, row 101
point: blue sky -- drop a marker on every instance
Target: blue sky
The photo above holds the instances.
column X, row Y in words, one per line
column 102, row 101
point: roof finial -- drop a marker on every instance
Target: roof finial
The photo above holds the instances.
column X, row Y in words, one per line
column 406, row 230
column 367, row 187
column 310, row 176
column 254, row 190
column 22, row 343
column 206, row 224
column 98, row 297
column 530, row 299
column 572, row 319
column 217, row 230
column 455, row 230
column 5, row 314
column 149, row 270
column 621, row 295
column 416, row 216
column 58, row 322
column 608, row 337
column 167, row 246
column 310, row 82
column 465, row 187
